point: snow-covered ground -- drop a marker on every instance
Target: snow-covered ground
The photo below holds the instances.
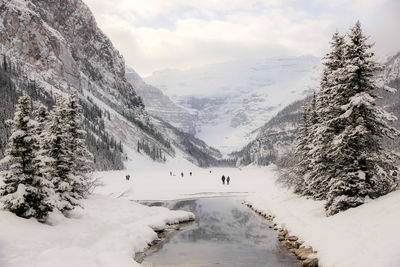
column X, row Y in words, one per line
column 106, row 233
column 112, row 228
column 364, row 236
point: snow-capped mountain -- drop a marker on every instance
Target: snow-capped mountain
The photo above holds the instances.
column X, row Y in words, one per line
column 231, row 99
column 58, row 47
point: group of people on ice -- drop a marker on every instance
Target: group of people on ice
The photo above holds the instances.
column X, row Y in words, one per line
column 228, row 179
column 182, row 174
column 223, row 178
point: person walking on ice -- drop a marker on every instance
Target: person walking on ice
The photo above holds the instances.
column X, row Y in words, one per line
column 227, row 180
column 127, row 177
column 223, row 179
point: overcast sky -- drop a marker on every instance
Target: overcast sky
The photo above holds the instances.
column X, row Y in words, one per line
column 159, row 34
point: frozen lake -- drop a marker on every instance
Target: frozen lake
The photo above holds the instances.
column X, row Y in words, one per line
column 225, row 233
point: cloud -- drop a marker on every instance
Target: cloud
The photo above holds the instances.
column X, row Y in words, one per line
column 157, row 34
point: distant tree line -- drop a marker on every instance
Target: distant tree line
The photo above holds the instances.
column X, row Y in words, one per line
column 147, row 128
column 198, row 152
column 154, row 152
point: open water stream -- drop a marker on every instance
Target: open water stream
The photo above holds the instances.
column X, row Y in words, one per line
column 225, row 233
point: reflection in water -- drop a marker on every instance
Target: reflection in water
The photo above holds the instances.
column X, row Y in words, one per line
column 226, row 233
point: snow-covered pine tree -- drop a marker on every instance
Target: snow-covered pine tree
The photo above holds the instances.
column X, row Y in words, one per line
column 26, row 190
column 57, row 139
column 81, row 159
column 302, row 160
column 323, row 131
column 307, row 159
column 42, row 119
column 363, row 166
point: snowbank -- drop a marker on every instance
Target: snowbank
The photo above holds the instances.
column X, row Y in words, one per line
column 364, row 236
column 108, row 232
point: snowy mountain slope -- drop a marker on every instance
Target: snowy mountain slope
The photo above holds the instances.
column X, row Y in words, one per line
column 392, row 69
column 232, row 99
column 163, row 110
column 391, row 101
column 194, row 149
column 182, row 146
column 160, row 105
column 106, row 151
column 58, row 46
column 273, row 139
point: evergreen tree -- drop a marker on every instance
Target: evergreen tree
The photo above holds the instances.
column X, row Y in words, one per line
column 80, row 159
column 42, row 118
column 307, row 160
column 325, row 128
column 362, row 165
column 301, row 168
column 26, row 191
column 61, row 166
